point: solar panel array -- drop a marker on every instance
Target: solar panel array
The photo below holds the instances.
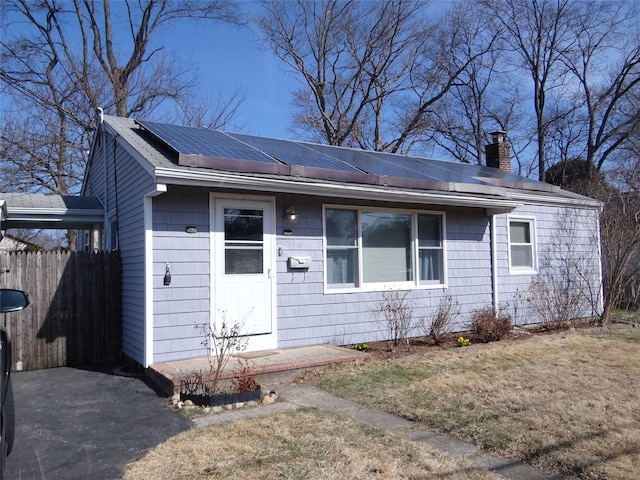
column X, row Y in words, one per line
column 215, row 144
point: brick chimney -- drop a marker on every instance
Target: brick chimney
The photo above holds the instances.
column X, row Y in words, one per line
column 498, row 153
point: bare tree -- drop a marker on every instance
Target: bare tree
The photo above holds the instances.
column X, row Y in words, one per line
column 374, row 73
column 66, row 58
column 205, row 112
column 620, row 233
column 350, row 56
column 539, row 33
column 605, row 61
column 456, row 59
column 484, row 99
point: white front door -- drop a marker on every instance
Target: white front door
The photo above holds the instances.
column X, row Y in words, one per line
column 243, row 233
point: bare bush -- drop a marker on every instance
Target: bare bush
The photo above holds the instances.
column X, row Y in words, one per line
column 442, row 321
column 555, row 305
column 487, row 325
column 568, row 285
column 222, row 340
column 395, row 317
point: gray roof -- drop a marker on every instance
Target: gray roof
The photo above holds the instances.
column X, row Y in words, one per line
column 50, row 211
column 175, row 154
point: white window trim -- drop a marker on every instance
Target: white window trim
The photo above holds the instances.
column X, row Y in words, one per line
column 534, row 251
column 112, row 217
column 414, row 284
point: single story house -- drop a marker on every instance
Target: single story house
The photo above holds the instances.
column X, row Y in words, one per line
column 300, row 240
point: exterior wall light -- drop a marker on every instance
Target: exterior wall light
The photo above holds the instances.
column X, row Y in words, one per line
column 167, row 274
column 290, row 214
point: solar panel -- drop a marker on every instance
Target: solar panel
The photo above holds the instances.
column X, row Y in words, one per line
column 235, row 152
column 202, row 141
column 295, row 153
column 387, row 164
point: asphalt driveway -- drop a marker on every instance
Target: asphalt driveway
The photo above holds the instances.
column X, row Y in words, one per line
column 78, row 424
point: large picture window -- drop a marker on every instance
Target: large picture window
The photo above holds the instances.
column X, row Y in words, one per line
column 521, row 245
column 371, row 248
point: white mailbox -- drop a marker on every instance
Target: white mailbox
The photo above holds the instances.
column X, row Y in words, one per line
column 299, row 262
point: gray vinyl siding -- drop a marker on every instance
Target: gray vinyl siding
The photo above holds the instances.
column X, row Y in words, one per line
column 185, row 304
column 563, row 235
column 306, row 315
column 133, row 184
column 93, row 184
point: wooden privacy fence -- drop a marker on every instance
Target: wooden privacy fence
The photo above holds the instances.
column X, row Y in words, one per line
column 75, row 315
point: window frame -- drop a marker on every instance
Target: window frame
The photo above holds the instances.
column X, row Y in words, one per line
column 112, row 233
column 523, row 270
column 415, row 283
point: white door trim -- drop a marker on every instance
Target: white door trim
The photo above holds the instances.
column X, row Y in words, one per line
column 216, row 239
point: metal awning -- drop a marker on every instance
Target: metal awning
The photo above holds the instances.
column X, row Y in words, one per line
column 49, row 211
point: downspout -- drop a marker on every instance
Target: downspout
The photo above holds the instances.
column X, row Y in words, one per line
column 103, row 133
column 494, row 261
column 160, row 188
column 600, row 269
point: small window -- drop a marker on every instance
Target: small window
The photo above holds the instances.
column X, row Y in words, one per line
column 521, row 244
column 112, row 233
column 342, row 247
column 430, row 249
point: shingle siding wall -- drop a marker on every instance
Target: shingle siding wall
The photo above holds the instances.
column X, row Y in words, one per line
column 305, row 313
column 133, row 182
column 94, row 179
column 183, row 305
column 567, row 254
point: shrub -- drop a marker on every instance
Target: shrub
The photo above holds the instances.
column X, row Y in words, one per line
column 395, row 317
column 487, row 325
column 222, row 339
column 556, row 305
column 243, row 381
column 442, row 321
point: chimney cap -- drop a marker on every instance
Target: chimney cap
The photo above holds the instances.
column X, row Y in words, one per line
column 498, row 136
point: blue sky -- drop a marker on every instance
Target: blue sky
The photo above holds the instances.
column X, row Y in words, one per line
column 229, row 59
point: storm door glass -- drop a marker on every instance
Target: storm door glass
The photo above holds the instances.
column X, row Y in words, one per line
column 243, row 241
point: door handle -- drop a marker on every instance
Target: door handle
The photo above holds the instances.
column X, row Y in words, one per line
column 268, row 273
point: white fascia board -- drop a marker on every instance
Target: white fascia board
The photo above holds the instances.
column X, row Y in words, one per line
column 361, row 192
column 532, row 199
column 54, row 215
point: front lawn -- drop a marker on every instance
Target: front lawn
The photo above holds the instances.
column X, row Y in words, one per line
column 567, row 402
column 306, row 443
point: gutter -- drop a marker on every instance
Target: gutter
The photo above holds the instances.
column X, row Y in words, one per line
column 306, row 187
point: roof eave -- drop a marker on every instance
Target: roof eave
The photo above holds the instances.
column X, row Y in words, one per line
column 20, row 217
column 322, row 188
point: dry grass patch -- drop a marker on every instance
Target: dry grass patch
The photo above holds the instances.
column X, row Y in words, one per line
column 307, row 443
column 567, row 402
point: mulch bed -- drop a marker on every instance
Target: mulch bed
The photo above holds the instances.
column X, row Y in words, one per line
column 425, row 345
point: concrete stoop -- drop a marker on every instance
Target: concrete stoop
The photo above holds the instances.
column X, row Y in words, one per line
column 267, row 367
